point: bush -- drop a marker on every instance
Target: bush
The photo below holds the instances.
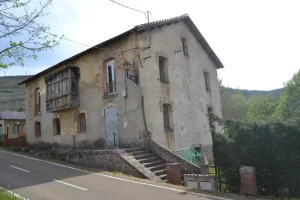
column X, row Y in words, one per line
column 1, row 142
column 273, row 148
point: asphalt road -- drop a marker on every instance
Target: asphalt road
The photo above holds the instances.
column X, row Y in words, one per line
column 41, row 180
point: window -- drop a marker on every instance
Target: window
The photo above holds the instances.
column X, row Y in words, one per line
column 62, row 89
column 37, row 101
column 209, row 110
column 163, row 70
column 56, row 126
column 37, row 129
column 81, row 123
column 110, row 77
column 166, row 115
column 207, row 83
column 185, row 47
column 17, row 128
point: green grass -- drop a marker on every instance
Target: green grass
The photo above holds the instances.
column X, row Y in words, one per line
column 6, row 196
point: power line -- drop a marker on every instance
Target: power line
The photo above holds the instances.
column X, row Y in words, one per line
column 152, row 15
column 127, row 6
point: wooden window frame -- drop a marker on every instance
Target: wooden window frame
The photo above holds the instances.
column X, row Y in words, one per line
column 37, row 101
column 80, row 129
column 110, row 85
column 37, row 131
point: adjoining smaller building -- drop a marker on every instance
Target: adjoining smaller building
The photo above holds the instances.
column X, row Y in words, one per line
column 12, row 123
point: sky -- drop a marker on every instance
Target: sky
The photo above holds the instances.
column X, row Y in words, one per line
column 257, row 41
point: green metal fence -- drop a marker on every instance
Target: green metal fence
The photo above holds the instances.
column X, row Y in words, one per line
column 190, row 155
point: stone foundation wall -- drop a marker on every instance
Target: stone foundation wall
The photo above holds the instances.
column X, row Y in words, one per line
column 108, row 160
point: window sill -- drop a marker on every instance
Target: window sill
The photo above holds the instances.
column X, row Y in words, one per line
column 169, row 130
column 81, row 133
column 37, row 114
column 110, row 95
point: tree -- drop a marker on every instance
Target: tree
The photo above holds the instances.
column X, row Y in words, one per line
column 260, row 108
column 21, row 36
column 289, row 103
column 234, row 104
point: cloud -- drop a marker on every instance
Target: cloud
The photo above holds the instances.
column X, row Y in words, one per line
column 257, row 41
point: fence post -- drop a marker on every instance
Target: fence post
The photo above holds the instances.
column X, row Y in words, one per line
column 248, row 181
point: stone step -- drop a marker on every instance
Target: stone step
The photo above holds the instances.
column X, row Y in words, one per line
column 163, row 177
column 154, row 163
column 148, row 160
column 160, row 172
column 146, row 155
column 135, row 149
column 157, row 167
column 136, row 153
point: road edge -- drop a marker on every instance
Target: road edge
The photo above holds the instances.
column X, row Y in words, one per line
column 113, row 177
column 14, row 194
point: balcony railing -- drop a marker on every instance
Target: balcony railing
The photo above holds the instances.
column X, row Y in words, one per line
column 190, row 155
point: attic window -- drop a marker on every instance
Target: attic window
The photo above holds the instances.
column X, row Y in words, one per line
column 185, row 46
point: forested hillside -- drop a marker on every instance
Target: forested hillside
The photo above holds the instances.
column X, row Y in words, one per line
column 11, row 94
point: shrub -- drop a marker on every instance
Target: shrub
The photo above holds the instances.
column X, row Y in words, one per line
column 273, row 148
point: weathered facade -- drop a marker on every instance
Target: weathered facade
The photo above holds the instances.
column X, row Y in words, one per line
column 110, row 95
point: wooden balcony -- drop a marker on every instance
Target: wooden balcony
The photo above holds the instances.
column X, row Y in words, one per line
column 62, row 89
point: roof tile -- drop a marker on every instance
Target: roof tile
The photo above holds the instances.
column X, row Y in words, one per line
column 12, row 115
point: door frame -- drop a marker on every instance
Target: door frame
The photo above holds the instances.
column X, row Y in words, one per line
column 116, row 106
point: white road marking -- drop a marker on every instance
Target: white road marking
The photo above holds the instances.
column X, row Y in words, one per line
column 13, row 194
column 20, row 169
column 112, row 177
column 75, row 186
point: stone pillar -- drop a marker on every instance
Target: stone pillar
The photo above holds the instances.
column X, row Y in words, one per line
column 173, row 173
column 4, row 139
column 248, row 181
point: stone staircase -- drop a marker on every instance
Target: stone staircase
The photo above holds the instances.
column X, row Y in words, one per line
column 149, row 160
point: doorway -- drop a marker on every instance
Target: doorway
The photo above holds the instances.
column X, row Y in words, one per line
column 111, row 128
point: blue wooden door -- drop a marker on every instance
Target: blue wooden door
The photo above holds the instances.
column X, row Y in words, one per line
column 111, row 128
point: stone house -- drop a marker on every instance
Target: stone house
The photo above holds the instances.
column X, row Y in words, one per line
column 12, row 123
column 158, row 77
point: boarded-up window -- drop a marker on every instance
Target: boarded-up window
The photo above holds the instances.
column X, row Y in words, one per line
column 166, row 115
column 185, row 46
column 81, row 123
column 56, row 126
column 163, row 69
column 207, row 82
column 37, row 127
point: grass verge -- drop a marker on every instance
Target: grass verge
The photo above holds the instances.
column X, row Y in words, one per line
column 6, row 196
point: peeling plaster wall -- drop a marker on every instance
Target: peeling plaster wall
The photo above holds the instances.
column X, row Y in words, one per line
column 186, row 92
column 92, row 101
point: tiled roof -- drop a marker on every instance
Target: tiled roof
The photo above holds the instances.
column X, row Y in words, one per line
column 12, row 115
column 144, row 27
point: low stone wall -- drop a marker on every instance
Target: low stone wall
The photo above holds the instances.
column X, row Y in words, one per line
column 168, row 156
column 108, row 160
